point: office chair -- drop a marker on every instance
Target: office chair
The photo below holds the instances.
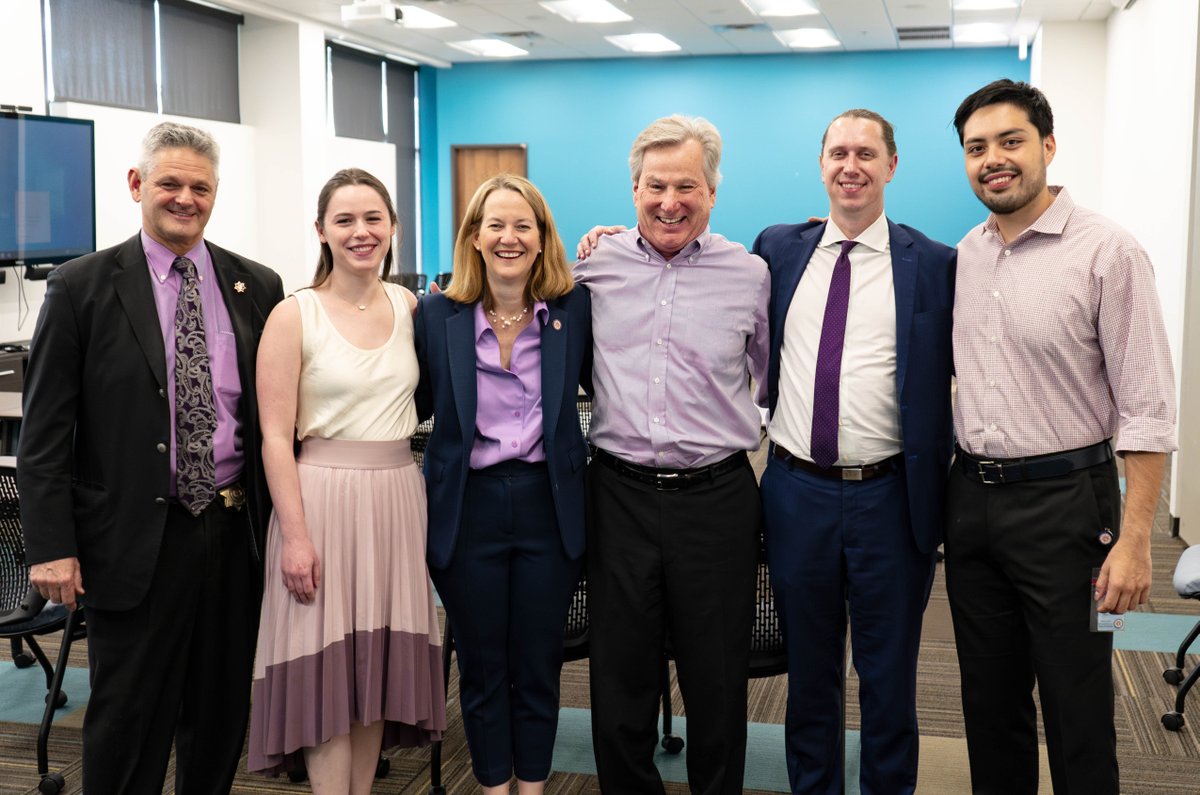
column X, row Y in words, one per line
column 24, row 615
column 415, row 282
column 1187, row 585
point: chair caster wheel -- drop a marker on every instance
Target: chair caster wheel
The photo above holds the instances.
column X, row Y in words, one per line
column 1173, row 676
column 672, row 743
column 51, row 784
column 23, row 660
column 59, row 702
column 381, row 769
column 1172, row 721
column 437, row 791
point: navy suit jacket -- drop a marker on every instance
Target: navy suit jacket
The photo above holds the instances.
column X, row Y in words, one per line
column 445, row 340
column 923, row 275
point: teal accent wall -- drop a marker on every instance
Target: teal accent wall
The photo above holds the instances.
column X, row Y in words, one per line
column 430, row 193
column 578, row 119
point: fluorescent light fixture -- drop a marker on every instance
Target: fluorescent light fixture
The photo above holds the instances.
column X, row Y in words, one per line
column 588, row 11
column 807, row 38
column 781, row 8
column 985, row 5
column 419, row 19
column 489, row 48
column 644, row 42
column 981, row 33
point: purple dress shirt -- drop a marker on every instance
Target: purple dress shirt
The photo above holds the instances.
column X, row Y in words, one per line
column 676, row 344
column 508, row 413
column 222, row 351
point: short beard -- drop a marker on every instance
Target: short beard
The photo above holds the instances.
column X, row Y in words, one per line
column 1009, row 203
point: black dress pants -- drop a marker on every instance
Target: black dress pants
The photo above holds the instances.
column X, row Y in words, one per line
column 677, row 566
column 1019, row 560
column 177, row 667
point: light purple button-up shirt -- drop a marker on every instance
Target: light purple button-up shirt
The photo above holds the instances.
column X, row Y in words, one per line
column 508, row 412
column 222, row 351
column 675, row 346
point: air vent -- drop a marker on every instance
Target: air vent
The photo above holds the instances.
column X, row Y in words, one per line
column 940, row 33
column 528, row 35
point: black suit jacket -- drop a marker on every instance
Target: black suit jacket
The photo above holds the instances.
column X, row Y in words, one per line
column 93, row 465
column 445, row 340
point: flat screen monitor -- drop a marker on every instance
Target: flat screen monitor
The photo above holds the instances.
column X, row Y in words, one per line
column 47, row 189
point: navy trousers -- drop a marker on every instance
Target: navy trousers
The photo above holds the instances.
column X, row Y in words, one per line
column 836, row 549
column 506, row 592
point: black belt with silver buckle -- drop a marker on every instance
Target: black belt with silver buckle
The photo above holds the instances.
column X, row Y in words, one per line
column 864, row 472
column 670, row 479
column 996, row 471
column 233, row 495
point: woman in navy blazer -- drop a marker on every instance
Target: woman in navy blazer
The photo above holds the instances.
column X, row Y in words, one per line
column 502, row 354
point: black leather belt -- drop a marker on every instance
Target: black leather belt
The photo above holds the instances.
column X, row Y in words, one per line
column 864, row 472
column 995, row 471
column 670, row 479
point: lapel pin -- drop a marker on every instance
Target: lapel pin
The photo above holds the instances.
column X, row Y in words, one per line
column 239, row 287
column 557, row 325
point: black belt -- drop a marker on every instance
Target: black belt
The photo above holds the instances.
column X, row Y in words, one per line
column 864, row 472
column 995, row 471
column 670, row 479
column 231, row 497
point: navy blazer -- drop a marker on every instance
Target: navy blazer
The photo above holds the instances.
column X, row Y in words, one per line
column 445, row 340
column 923, row 276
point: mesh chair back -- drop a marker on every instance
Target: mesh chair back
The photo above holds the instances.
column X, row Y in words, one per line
column 14, row 572
column 768, row 654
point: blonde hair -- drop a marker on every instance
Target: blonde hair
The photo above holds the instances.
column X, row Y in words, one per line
column 550, row 277
column 676, row 130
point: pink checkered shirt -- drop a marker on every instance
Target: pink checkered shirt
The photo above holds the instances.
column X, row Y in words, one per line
column 1059, row 340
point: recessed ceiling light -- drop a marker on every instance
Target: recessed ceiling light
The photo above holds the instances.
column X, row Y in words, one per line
column 781, row 8
column 984, row 5
column 980, row 33
column 489, row 48
column 420, row 19
column 644, row 42
column 589, row 11
column 807, row 38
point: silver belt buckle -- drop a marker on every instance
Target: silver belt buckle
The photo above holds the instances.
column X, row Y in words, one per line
column 983, row 473
column 852, row 473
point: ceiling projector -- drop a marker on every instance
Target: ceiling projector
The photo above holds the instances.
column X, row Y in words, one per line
column 371, row 11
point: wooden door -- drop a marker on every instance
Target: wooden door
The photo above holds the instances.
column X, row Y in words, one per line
column 471, row 166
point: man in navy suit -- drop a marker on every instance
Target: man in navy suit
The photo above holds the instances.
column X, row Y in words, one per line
column 861, row 440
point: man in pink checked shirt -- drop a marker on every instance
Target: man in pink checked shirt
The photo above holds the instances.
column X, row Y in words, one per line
column 1061, row 356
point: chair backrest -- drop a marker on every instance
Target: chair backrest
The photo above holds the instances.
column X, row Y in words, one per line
column 14, row 571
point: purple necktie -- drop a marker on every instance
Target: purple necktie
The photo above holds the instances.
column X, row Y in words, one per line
column 824, row 443
column 195, row 415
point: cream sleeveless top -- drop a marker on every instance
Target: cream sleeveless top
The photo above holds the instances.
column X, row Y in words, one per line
column 347, row 392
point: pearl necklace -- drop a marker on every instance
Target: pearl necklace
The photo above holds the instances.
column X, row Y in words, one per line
column 505, row 321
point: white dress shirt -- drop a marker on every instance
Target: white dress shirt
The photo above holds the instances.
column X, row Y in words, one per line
column 868, row 414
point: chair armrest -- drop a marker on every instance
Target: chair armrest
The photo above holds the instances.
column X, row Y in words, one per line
column 31, row 605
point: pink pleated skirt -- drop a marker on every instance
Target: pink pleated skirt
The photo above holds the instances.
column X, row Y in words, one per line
column 368, row 647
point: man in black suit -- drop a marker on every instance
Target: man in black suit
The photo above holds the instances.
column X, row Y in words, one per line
column 143, row 498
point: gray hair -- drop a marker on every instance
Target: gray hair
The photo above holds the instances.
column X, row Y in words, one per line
column 172, row 135
column 673, row 131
